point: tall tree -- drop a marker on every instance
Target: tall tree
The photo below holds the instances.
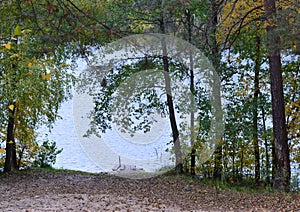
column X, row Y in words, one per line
column 35, row 78
column 192, row 88
column 283, row 171
column 153, row 17
column 171, row 107
column 241, row 22
column 255, row 106
column 31, row 91
column 215, row 56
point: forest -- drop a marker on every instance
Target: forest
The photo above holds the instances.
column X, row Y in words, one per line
column 245, row 116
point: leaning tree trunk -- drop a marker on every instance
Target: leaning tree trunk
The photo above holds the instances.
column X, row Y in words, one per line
column 11, row 156
column 283, row 171
column 172, row 117
column 170, row 104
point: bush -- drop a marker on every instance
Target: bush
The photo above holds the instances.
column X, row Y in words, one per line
column 46, row 156
column 295, row 182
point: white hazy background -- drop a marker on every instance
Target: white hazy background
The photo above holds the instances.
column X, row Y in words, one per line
column 94, row 154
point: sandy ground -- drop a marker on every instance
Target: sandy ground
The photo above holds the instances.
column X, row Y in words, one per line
column 37, row 190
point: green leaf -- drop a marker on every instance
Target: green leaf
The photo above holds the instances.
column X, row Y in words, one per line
column 17, row 31
column 27, row 31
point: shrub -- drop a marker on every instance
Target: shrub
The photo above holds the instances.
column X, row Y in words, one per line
column 46, row 156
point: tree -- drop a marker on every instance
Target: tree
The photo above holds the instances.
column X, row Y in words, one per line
column 283, row 172
column 39, row 37
column 291, row 76
column 153, row 14
column 31, row 92
column 214, row 53
column 189, row 27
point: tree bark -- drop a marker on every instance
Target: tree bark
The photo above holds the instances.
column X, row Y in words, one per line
column 282, row 165
column 266, row 147
column 172, row 117
column 11, row 155
column 216, row 58
column 170, row 103
column 192, row 89
column 255, row 109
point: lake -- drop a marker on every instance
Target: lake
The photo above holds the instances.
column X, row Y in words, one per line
column 94, row 154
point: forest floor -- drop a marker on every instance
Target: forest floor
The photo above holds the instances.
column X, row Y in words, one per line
column 47, row 190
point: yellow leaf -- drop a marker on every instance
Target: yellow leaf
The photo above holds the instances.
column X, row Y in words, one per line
column 11, row 107
column 14, row 56
column 10, row 142
column 46, row 76
column 2, row 151
column 8, row 46
column 29, row 64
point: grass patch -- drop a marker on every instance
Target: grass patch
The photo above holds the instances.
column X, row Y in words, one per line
column 50, row 170
column 244, row 186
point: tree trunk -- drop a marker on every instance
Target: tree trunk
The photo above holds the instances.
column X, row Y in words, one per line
column 11, row 156
column 192, row 89
column 266, row 147
column 170, row 103
column 282, row 165
column 172, row 117
column 242, row 159
column 255, row 110
column 273, row 160
column 216, row 58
